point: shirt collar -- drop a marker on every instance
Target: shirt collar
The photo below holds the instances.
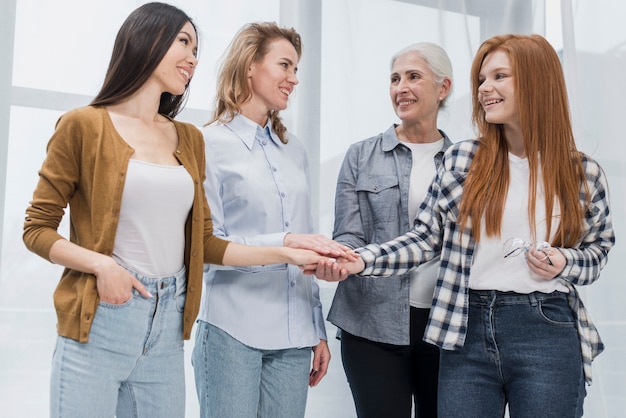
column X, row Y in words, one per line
column 390, row 139
column 246, row 130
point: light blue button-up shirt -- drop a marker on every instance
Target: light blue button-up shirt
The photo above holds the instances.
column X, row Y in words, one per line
column 258, row 190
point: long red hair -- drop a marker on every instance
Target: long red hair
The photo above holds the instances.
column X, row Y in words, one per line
column 548, row 142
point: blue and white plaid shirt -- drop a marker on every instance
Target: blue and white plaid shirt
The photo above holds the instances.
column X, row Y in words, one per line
column 437, row 232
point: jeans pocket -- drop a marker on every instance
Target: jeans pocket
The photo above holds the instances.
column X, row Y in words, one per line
column 119, row 305
column 180, row 298
column 556, row 312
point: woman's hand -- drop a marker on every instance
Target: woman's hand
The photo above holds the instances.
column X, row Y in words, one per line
column 337, row 270
column 320, row 244
column 115, row 284
column 321, row 358
column 545, row 263
column 304, row 258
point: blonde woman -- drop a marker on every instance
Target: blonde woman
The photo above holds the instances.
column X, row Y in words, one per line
column 258, row 327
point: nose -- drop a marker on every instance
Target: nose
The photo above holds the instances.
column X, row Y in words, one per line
column 402, row 86
column 193, row 61
column 484, row 86
column 292, row 78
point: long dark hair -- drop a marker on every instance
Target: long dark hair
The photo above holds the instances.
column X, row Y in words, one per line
column 141, row 43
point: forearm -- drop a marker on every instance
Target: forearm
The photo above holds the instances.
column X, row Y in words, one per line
column 75, row 257
column 246, row 255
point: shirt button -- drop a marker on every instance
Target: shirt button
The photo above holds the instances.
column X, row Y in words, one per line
column 282, row 194
column 274, row 169
column 177, row 151
column 286, row 223
column 292, row 283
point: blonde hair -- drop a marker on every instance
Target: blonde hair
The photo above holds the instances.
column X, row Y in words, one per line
column 544, row 117
column 249, row 45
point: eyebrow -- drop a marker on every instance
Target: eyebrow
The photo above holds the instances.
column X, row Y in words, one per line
column 191, row 38
column 188, row 34
column 500, row 69
column 408, row 72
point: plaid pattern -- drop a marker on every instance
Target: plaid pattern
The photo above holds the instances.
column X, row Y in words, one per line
column 436, row 232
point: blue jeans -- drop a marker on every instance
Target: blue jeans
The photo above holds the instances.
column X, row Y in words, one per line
column 133, row 364
column 237, row 381
column 521, row 350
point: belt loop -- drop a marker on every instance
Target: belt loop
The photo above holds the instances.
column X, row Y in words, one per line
column 181, row 281
column 533, row 299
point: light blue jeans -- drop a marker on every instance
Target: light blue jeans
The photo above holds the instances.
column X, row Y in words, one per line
column 133, row 364
column 237, row 381
column 522, row 351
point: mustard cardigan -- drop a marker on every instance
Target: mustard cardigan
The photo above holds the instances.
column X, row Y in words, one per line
column 85, row 166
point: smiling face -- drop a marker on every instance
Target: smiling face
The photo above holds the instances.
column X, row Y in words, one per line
column 177, row 66
column 272, row 80
column 415, row 95
column 496, row 91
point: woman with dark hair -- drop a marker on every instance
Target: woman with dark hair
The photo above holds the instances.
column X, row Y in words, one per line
column 519, row 218
column 257, row 327
column 140, row 229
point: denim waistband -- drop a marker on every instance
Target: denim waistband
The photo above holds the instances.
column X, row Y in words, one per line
column 496, row 296
column 178, row 280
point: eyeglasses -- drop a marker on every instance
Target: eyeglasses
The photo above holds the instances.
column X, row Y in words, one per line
column 515, row 246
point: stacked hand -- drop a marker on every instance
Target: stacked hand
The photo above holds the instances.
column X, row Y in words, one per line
column 339, row 269
column 317, row 249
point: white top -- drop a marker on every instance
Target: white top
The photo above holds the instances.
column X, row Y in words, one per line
column 156, row 201
column 423, row 169
column 491, row 271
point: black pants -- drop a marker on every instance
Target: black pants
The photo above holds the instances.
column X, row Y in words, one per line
column 386, row 378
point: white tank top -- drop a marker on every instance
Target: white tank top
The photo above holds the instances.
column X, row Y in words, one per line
column 156, row 201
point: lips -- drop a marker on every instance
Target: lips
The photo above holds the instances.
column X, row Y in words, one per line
column 405, row 102
column 489, row 102
column 186, row 74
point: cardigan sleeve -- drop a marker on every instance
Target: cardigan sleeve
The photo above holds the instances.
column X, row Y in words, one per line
column 58, row 180
column 213, row 246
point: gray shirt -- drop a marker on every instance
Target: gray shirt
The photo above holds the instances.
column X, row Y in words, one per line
column 371, row 206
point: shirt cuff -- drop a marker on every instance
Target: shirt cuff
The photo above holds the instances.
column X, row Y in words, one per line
column 368, row 254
